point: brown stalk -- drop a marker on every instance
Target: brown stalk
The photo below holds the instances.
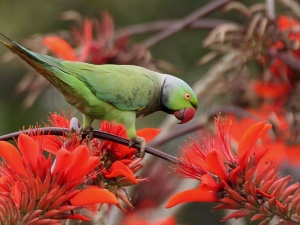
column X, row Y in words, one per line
column 96, row 134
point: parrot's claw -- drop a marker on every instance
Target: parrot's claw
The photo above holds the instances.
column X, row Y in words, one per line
column 142, row 142
column 91, row 133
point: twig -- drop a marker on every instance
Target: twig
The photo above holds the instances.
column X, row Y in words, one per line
column 175, row 27
column 164, row 24
column 97, row 134
column 270, row 9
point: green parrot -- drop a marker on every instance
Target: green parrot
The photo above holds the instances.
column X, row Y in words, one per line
column 116, row 93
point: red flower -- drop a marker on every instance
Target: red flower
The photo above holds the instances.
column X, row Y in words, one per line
column 216, row 158
column 117, row 165
column 42, row 191
column 246, row 181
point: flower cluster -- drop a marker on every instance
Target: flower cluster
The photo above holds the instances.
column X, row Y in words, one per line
column 277, row 80
column 246, row 181
column 277, row 90
column 35, row 189
column 264, row 50
column 118, row 163
column 284, row 135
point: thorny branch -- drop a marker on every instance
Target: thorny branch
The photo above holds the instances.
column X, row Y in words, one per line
column 96, row 134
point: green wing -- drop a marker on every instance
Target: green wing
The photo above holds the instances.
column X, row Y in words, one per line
column 124, row 86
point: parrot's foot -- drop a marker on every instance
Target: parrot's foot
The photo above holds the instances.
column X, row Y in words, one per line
column 91, row 133
column 142, row 142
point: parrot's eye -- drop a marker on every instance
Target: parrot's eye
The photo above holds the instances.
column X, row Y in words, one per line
column 187, row 96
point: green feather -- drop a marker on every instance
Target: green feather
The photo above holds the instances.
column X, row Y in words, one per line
column 125, row 87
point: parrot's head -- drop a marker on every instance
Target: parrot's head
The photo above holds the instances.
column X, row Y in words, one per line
column 178, row 98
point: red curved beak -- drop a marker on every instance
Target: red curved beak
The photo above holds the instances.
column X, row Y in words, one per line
column 185, row 115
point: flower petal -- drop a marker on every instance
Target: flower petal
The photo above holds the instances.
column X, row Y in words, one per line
column 92, row 196
column 124, row 152
column 237, row 214
column 88, row 31
column 80, row 157
column 209, row 183
column 148, row 133
column 250, row 137
column 272, row 91
column 215, row 164
column 29, row 149
column 17, row 193
column 78, row 217
column 12, row 156
column 119, row 169
column 59, row 120
column 82, row 163
column 60, row 47
column 52, row 143
column 193, row 195
column 63, row 159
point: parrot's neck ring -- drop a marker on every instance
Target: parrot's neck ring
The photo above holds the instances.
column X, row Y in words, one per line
column 164, row 108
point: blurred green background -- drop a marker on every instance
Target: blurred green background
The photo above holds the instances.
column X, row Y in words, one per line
column 21, row 19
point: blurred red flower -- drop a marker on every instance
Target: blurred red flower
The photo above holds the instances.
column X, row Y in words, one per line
column 60, row 47
column 278, row 79
column 136, row 219
column 271, row 90
column 284, row 137
column 100, row 49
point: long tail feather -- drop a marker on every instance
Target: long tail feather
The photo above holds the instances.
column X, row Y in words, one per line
column 44, row 64
column 25, row 54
